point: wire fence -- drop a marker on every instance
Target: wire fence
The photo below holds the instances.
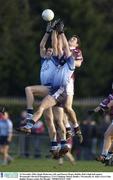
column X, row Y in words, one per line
column 38, row 146
column 33, row 145
column 78, row 102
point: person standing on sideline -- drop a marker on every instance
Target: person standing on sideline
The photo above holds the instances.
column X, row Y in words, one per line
column 6, row 130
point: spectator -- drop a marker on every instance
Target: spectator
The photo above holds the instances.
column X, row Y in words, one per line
column 88, row 130
column 27, row 140
column 6, row 129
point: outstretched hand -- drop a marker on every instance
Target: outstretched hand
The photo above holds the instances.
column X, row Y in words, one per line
column 49, row 28
column 91, row 112
column 98, row 109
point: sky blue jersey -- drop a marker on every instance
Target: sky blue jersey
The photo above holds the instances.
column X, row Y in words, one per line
column 48, row 67
column 63, row 73
column 6, row 127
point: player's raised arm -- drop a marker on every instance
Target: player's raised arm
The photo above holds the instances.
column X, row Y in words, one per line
column 60, row 46
column 44, row 40
column 104, row 106
column 63, row 40
column 54, row 43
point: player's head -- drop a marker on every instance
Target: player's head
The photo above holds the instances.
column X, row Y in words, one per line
column 2, row 109
column 6, row 115
column 49, row 52
column 74, row 41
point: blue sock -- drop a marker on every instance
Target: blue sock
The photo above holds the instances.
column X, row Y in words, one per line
column 53, row 145
column 30, row 111
column 63, row 142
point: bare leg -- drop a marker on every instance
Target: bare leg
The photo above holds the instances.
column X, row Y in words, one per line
column 66, row 121
column 72, row 117
column 111, row 148
column 46, row 103
column 67, row 126
column 59, row 116
column 69, row 111
column 5, row 154
column 37, row 90
column 70, row 157
column 48, row 115
column 107, row 139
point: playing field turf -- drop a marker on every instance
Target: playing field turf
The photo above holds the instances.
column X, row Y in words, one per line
column 49, row 165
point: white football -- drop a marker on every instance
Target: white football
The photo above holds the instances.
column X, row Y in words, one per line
column 47, row 14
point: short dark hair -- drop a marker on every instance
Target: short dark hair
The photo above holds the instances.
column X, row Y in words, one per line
column 78, row 39
column 2, row 109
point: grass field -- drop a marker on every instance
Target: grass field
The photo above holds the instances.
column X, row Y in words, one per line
column 49, row 165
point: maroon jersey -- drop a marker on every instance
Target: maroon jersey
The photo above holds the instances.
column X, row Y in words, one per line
column 77, row 53
column 1, row 116
column 105, row 102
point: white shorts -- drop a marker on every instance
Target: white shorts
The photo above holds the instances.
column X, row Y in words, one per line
column 70, row 87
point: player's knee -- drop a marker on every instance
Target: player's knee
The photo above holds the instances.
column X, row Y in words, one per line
column 49, row 119
column 40, row 110
column 27, row 89
column 67, row 109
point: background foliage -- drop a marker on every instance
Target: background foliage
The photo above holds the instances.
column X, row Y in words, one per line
column 21, row 29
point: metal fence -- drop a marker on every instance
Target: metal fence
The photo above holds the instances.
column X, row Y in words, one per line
column 78, row 102
column 38, row 146
column 23, row 145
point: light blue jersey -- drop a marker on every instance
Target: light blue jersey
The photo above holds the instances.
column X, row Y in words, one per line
column 6, row 127
column 48, row 67
column 63, row 73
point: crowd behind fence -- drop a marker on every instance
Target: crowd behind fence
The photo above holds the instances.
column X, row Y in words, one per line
column 38, row 145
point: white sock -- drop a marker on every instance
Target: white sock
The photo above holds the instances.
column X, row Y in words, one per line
column 104, row 152
column 76, row 125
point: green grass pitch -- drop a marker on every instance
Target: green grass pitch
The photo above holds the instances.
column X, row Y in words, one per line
column 49, row 165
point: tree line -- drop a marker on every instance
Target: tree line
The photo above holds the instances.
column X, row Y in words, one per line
column 21, row 29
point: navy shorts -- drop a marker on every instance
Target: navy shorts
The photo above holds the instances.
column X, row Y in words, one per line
column 59, row 94
column 3, row 140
